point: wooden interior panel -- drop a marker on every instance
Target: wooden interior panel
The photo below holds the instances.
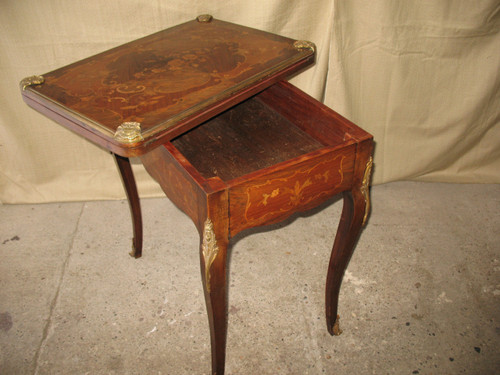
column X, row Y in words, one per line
column 310, row 115
column 248, row 137
column 177, row 182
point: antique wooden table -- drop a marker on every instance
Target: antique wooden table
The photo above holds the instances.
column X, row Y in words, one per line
column 205, row 107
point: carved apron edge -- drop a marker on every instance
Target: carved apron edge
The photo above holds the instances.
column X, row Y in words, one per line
column 365, row 189
column 209, row 249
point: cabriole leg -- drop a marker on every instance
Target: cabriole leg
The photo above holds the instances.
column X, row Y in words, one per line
column 213, row 251
column 128, row 181
column 354, row 215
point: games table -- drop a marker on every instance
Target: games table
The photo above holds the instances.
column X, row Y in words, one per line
column 206, row 108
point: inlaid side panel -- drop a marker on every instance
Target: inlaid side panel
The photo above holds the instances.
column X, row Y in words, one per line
column 274, row 196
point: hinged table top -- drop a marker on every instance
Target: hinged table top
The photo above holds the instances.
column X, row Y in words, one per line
column 131, row 98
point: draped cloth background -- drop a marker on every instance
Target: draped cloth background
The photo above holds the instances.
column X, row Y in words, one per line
column 421, row 76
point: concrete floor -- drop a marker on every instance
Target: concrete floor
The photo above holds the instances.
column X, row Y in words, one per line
column 421, row 294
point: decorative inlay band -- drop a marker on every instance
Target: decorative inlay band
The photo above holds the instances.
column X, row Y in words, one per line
column 209, row 249
column 304, row 44
column 32, row 80
column 289, row 192
column 365, row 187
column 204, row 18
column 129, row 132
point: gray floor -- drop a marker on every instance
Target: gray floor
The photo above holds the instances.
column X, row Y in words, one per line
column 421, row 294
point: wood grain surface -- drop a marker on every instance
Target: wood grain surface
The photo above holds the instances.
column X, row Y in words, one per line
column 246, row 138
column 165, row 80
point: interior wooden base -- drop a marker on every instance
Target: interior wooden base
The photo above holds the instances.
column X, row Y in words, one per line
column 246, row 138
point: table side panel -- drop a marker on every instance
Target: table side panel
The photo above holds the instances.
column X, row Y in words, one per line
column 273, row 196
column 76, row 126
column 179, row 186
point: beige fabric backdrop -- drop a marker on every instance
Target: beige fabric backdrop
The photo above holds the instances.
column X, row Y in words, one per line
column 421, row 76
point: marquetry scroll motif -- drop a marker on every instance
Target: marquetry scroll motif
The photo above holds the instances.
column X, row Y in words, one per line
column 30, row 81
column 273, row 194
column 209, row 249
column 285, row 194
column 304, row 44
column 365, row 189
column 129, row 132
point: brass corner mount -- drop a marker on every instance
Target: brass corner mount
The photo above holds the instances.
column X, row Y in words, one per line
column 129, row 132
column 304, row 44
column 31, row 80
column 204, row 18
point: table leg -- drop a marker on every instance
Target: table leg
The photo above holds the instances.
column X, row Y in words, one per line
column 128, row 181
column 354, row 215
column 347, row 235
column 213, row 254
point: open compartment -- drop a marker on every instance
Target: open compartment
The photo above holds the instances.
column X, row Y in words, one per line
column 277, row 125
column 277, row 153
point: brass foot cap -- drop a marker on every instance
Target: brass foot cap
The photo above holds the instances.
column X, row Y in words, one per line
column 336, row 327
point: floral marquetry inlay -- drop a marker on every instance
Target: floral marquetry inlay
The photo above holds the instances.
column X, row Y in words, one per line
column 277, row 196
column 168, row 76
column 274, row 193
